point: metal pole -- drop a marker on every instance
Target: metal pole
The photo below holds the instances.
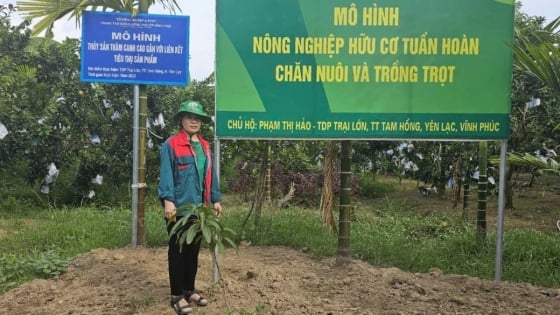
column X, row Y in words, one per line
column 215, row 271
column 134, row 186
column 501, row 203
column 217, row 155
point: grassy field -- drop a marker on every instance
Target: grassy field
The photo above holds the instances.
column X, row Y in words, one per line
column 399, row 228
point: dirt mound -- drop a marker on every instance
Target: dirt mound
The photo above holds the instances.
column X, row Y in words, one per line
column 269, row 280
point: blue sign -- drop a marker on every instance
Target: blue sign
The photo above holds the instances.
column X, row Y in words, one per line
column 144, row 49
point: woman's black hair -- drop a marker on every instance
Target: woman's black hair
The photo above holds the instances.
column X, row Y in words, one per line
column 179, row 118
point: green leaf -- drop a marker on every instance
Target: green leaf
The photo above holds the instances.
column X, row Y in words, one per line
column 207, row 233
column 202, row 218
column 191, row 233
column 181, row 241
column 206, row 228
column 229, row 231
column 221, row 247
column 215, row 225
column 231, row 243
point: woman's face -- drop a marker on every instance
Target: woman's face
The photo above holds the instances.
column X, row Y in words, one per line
column 191, row 123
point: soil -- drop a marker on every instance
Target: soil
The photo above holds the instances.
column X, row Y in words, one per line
column 278, row 280
column 269, row 280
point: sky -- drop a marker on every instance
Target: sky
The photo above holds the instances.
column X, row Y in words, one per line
column 202, row 28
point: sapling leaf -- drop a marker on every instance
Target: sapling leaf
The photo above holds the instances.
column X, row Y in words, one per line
column 230, row 242
column 202, row 219
column 205, row 228
column 207, row 233
column 214, row 225
column 221, row 247
column 191, row 233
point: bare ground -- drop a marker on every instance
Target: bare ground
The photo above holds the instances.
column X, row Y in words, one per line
column 278, row 280
column 269, row 280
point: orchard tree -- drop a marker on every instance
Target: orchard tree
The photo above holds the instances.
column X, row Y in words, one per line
column 536, row 51
column 83, row 128
column 50, row 11
column 535, row 89
column 536, row 81
column 38, row 78
column 52, row 117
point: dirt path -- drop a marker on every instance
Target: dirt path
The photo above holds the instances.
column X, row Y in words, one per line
column 269, row 280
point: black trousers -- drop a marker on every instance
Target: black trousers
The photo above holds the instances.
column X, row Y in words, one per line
column 182, row 262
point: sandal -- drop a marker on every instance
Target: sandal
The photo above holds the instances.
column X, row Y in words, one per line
column 180, row 309
column 197, row 299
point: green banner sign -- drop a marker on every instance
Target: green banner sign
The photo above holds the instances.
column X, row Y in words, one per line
column 387, row 69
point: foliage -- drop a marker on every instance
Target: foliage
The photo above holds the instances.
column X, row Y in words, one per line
column 206, row 227
column 39, row 243
column 537, row 53
column 49, row 264
column 397, row 236
column 288, row 166
column 83, row 129
column 278, row 229
column 534, row 164
column 535, row 82
column 371, row 187
column 49, row 11
column 527, row 262
column 17, row 268
column 13, row 270
column 7, row 9
column 392, row 234
column 52, row 117
column 40, row 104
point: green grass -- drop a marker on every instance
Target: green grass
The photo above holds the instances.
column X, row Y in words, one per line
column 280, row 228
column 372, row 187
column 39, row 243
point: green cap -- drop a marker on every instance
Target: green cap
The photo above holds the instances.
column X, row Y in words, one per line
column 192, row 107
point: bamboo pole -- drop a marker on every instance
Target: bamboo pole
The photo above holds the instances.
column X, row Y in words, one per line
column 343, row 249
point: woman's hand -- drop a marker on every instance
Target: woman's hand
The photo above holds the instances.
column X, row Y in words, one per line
column 170, row 210
column 217, row 209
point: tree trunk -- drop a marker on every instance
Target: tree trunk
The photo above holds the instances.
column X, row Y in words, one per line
column 440, row 174
column 260, row 189
column 343, row 249
column 457, row 179
column 509, row 187
column 466, row 194
column 268, row 178
column 261, row 184
column 482, row 190
column 327, row 196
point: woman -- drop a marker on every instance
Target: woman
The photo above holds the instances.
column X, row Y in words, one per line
column 187, row 177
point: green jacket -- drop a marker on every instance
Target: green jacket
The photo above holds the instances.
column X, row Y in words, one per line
column 178, row 176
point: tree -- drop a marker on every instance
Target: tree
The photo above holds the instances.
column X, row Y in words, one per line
column 536, row 69
column 536, row 77
column 50, row 11
column 482, row 190
column 51, row 116
column 7, row 9
column 327, row 194
column 38, row 97
column 538, row 55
